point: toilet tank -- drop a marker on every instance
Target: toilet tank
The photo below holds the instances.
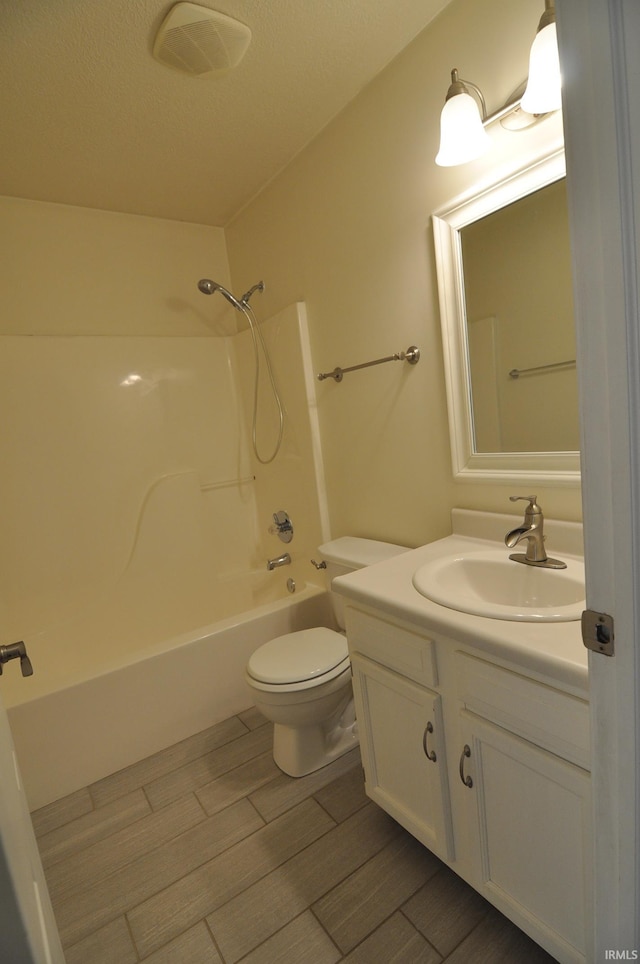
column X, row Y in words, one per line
column 349, row 553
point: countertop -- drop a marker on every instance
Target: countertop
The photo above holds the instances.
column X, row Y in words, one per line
column 552, row 650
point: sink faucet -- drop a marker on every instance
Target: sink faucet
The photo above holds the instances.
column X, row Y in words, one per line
column 532, row 531
column 283, row 560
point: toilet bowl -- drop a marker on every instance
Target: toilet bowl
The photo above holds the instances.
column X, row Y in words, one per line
column 302, row 681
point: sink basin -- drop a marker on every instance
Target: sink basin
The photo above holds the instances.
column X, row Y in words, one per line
column 488, row 583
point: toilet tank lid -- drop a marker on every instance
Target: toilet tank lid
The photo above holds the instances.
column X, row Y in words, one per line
column 357, row 553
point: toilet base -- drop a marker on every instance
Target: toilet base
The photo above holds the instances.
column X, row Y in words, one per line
column 303, row 749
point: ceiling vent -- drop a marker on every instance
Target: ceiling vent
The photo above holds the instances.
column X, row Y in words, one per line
column 197, row 40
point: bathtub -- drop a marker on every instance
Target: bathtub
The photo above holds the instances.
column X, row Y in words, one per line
column 75, row 722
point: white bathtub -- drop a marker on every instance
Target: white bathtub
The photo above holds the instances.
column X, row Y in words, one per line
column 71, row 730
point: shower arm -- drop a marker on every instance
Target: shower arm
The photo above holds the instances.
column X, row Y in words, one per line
column 257, row 287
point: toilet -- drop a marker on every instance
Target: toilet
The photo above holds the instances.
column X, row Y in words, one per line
column 302, row 681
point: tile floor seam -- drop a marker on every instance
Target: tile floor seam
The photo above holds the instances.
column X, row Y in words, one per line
column 131, row 937
column 362, row 867
column 294, row 804
column 195, row 761
column 265, row 823
column 34, row 813
column 279, row 931
column 330, row 815
column 147, row 851
column 144, row 856
column 202, row 807
column 382, row 921
column 166, row 750
column 400, row 910
column 146, row 796
column 217, row 947
column 266, row 872
column 179, row 832
column 100, row 840
column 321, row 895
column 188, row 830
column 226, row 773
column 462, row 939
column 332, row 939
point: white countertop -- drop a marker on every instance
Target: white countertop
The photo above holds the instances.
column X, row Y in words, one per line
column 553, row 650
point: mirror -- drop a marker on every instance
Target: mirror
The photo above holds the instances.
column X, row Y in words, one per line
column 504, row 283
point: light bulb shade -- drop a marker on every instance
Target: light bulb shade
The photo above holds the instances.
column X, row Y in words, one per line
column 462, row 136
column 543, row 86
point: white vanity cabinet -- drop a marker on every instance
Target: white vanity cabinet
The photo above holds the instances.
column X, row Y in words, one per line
column 483, row 764
column 401, row 728
column 403, row 753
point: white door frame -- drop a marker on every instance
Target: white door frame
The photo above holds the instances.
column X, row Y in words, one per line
column 599, row 50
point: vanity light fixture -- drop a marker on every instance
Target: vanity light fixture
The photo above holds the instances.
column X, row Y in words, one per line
column 543, row 87
column 462, row 133
column 463, row 120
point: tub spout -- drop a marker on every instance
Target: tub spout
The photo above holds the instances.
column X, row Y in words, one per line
column 283, row 560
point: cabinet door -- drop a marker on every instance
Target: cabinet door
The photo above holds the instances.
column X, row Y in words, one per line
column 532, row 848
column 403, row 753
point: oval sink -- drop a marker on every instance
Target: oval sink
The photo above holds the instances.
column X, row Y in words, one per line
column 488, row 583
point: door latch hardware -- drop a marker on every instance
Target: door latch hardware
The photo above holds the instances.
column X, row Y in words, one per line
column 597, row 632
column 16, row 651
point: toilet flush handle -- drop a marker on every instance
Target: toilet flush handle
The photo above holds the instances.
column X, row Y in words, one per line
column 16, row 651
column 319, row 565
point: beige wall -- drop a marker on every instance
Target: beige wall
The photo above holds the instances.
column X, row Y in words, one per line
column 347, row 228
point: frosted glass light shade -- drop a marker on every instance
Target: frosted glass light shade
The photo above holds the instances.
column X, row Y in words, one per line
column 543, row 87
column 462, row 136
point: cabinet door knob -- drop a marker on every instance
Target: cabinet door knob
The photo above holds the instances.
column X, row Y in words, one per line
column 430, row 756
column 468, row 782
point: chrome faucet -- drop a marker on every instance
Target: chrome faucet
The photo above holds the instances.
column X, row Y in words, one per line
column 532, row 531
column 283, row 560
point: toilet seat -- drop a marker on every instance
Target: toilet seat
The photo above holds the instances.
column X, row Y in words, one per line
column 300, row 660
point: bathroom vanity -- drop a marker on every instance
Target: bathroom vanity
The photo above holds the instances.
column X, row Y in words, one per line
column 474, row 731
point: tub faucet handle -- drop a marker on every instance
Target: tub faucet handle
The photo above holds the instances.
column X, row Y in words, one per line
column 16, row 651
column 282, row 526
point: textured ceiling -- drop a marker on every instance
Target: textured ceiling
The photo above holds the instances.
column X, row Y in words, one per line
column 90, row 118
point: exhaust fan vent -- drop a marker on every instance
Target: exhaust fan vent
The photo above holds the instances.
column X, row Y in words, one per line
column 197, row 40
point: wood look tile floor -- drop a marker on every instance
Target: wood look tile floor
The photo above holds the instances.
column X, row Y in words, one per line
column 206, row 853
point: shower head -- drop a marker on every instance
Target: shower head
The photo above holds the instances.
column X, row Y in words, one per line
column 207, row 287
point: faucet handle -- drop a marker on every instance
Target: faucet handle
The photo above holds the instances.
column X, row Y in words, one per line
column 282, row 526
column 533, row 510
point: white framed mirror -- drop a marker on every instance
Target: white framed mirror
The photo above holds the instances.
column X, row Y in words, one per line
column 504, row 283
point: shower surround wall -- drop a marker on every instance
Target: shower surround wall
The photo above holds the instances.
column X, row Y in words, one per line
column 133, row 512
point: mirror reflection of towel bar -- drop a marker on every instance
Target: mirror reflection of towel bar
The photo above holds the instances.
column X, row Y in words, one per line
column 516, row 372
column 412, row 355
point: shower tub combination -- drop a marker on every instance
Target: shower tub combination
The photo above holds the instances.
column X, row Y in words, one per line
column 134, row 558
column 137, row 701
